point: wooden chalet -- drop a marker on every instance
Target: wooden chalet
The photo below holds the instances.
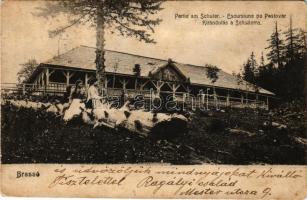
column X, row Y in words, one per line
column 136, row 75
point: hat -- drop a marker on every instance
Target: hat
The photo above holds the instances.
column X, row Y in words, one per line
column 78, row 82
column 92, row 81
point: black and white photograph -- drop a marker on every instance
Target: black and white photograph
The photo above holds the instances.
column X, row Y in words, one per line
column 139, row 82
column 153, row 99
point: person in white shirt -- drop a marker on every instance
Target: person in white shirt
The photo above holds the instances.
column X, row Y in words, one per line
column 92, row 94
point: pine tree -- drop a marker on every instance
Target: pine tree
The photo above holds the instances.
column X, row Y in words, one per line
column 249, row 69
column 302, row 44
column 286, row 80
column 259, row 70
column 246, row 71
column 266, row 77
column 275, row 47
column 292, row 46
column 261, row 60
column 253, row 62
column 130, row 18
column 291, row 78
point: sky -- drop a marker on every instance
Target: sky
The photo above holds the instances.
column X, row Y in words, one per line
column 25, row 36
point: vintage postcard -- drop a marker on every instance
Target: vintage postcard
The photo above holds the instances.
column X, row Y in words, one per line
column 153, row 99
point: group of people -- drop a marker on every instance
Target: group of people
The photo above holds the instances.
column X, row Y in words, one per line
column 89, row 96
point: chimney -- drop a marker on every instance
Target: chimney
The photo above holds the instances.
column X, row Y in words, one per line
column 137, row 69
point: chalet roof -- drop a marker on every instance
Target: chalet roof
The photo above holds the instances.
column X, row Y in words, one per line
column 83, row 57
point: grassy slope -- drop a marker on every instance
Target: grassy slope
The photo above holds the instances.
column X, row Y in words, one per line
column 231, row 137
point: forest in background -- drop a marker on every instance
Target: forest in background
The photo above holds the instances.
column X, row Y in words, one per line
column 283, row 73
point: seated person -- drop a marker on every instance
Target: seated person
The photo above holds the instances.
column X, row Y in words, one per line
column 78, row 92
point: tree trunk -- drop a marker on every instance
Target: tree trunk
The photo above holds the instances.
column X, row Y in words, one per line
column 100, row 42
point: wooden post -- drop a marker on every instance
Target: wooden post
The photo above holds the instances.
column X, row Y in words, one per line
column 267, row 103
column 113, row 81
column 68, row 75
column 106, row 82
column 202, row 98
column 23, row 89
column 40, row 84
column 40, row 80
column 242, row 99
column 86, row 80
column 207, row 100
column 215, row 98
column 227, row 99
column 174, row 90
column 124, row 83
column 47, row 76
column 43, row 80
column 67, row 78
column 47, row 79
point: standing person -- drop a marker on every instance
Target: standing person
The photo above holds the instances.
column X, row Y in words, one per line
column 123, row 97
column 92, row 94
column 66, row 96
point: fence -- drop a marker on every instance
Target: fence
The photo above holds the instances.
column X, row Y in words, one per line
column 205, row 100
column 33, row 89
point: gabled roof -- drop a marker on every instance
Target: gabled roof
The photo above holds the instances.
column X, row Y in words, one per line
column 171, row 64
column 83, row 57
